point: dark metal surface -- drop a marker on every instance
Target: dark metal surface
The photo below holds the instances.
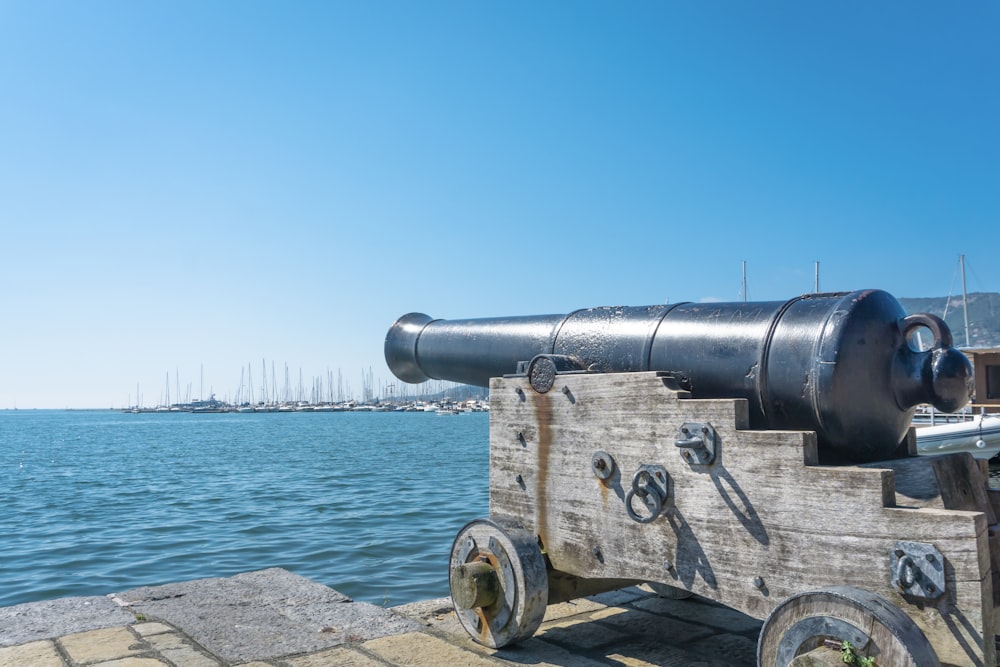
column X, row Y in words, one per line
column 838, row 364
column 649, row 484
column 917, row 569
column 697, row 443
column 602, row 465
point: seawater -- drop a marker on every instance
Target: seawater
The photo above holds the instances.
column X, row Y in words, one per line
column 98, row 502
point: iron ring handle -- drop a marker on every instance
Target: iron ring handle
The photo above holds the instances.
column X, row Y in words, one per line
column 937, row 326
column 906, row 572
column 644, row 491
column 657, row 507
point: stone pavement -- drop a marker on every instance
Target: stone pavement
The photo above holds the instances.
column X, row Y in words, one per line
column 278, row 619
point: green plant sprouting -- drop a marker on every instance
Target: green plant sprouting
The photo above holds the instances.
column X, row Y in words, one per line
column 849, row 656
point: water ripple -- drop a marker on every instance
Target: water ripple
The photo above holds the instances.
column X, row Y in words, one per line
column 97, row 502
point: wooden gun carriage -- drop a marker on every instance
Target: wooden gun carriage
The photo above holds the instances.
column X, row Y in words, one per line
column 600, row 480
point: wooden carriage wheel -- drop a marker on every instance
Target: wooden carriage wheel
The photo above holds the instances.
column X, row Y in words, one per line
column 498, row 580
column 669, row 592
column 876, row 628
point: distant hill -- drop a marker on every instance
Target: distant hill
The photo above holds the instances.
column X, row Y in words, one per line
column 984, row 316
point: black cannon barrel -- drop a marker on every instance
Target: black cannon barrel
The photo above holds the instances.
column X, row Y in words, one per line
column 840, row 364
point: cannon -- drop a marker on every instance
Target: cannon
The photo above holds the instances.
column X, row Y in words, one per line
column 756, row 454
column 838, row 364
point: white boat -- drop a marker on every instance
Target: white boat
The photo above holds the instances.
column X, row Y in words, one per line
column 977, row 434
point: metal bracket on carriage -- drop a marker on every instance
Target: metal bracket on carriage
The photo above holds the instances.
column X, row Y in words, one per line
column 543, row 368
column 697, row 443
column 917, row 569
column 602, row 465
column 650, row 485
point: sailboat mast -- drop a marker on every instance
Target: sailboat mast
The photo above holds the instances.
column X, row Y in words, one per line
column 744, row 281
column 265, row 399
column 965, row 300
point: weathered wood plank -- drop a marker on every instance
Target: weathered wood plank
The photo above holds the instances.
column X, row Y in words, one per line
column 962, row 484
column 762, row 522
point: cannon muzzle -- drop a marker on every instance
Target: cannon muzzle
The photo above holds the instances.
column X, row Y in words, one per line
column 844, row 365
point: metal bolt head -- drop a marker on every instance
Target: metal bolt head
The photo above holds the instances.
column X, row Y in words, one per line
column 602, row 465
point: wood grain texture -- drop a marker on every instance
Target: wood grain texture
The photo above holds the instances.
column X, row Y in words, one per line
column 888, row 635
column 764, row 521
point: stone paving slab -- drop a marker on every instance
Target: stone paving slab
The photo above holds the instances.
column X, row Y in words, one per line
column 36, row 654
column 101, row 645
column 52, row 618
column 263, row 615
column 273, row 618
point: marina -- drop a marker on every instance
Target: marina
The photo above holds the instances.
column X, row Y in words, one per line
column 212, row 405
column 329, row 393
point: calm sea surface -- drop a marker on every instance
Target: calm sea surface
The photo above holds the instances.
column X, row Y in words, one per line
column 368, row 503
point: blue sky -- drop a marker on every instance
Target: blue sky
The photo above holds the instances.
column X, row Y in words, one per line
column 194, row 187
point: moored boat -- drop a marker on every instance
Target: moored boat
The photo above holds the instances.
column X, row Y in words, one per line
column 978, row 435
